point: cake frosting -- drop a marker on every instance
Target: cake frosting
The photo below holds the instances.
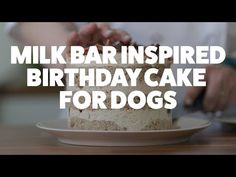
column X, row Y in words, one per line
column 126, row 119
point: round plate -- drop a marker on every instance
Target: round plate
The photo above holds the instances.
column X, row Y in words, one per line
column 186, row 128
column 227, row 119
column 228, row 122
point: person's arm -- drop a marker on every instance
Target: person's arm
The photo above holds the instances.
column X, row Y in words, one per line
column 48, row 34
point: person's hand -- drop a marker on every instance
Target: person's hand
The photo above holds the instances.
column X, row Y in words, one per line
column 220, row 91
column 93, row 33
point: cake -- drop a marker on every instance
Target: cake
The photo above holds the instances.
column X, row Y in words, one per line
column 126, row 119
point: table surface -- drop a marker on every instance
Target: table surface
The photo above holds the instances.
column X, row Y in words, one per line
column 15, row 139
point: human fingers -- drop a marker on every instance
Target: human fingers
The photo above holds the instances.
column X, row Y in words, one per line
column 191, row 95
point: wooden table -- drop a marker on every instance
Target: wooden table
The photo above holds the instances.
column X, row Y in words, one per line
column 30, row 140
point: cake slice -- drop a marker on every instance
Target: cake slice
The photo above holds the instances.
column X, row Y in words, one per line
column 126, row 119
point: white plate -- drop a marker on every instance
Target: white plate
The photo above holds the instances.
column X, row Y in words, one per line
column 186, row 128
column 227, row 119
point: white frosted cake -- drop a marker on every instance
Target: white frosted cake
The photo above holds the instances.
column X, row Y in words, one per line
column 126, row 119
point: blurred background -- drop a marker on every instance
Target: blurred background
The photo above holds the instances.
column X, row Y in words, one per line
column 21, row 105
column 18, row 104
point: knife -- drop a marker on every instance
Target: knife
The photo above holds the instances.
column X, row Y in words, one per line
column 198, row 103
